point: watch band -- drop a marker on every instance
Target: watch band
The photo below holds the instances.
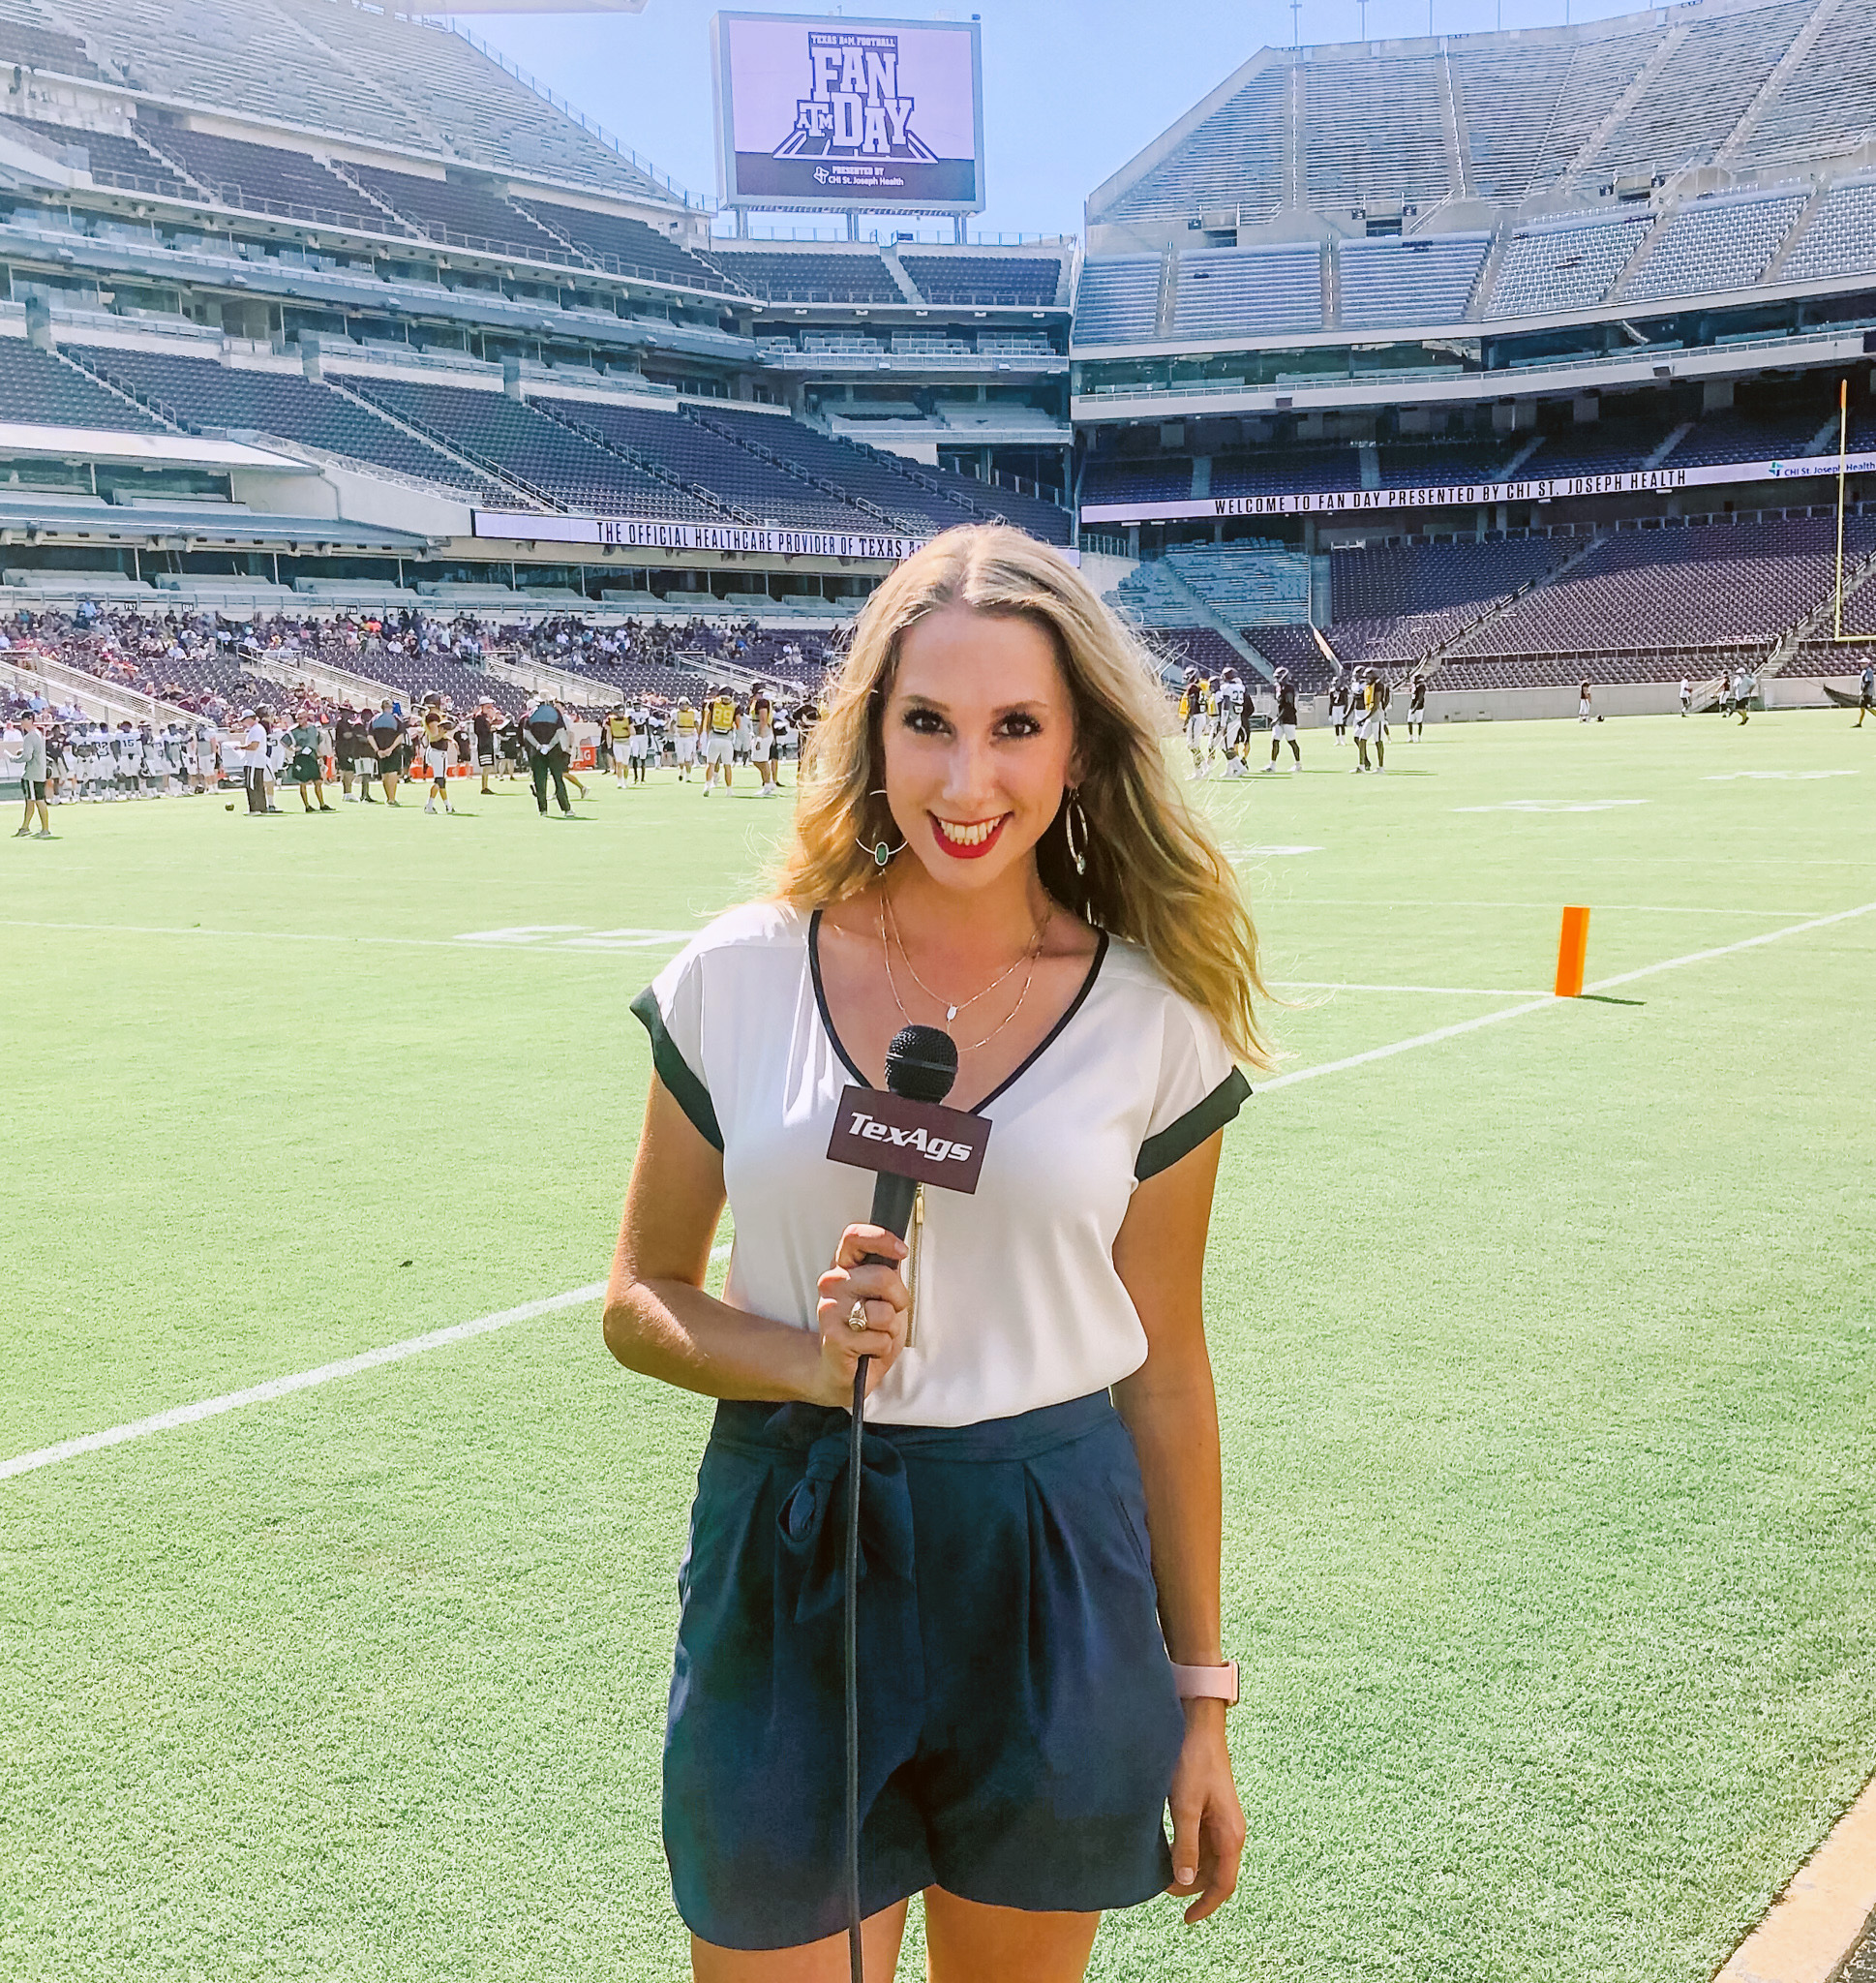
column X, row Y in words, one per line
column 1208, row 1683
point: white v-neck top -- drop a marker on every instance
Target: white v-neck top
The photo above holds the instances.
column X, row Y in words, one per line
column 1018, row 1304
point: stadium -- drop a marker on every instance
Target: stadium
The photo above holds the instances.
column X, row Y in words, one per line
column 1520, row 376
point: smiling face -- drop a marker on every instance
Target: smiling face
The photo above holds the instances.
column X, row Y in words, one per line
column 979, row 739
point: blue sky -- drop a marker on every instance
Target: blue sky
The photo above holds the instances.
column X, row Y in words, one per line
column 1072, row 88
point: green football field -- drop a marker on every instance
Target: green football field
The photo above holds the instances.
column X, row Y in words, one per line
column 1544, row 1348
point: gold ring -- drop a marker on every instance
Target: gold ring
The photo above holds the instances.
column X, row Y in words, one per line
column 857, row 1318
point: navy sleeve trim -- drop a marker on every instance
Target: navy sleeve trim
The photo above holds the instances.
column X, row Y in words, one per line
column 674, row 1070
column 1180, row 1139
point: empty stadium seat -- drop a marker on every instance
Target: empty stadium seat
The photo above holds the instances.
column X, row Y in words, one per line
column 1722, row 242
column 1569, row 265
column 203, row 394
column 1424, row 280
column 461, row 215
column 1118, row 300
column 778, row 277
column 537, row 450
column 264, row 178
column 1248, row 292
column 984, row 279
column 36, row 387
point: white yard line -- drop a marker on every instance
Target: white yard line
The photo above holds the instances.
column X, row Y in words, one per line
column 639, row 940
column 1428, row 991
column 462, row 1332
column 306, row 1379
column 1541, row 1004
column 1328, row 901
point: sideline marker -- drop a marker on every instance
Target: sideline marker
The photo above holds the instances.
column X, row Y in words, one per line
column 1572, row 944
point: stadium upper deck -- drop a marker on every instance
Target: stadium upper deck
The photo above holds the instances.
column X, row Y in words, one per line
column 416, row 287
column 1711, row 154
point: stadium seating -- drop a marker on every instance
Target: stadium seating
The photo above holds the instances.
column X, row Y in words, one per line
column 114, row 160
column 1118, row 301
column 1690, row 105
column 325, row 65
column 1565, row 267
column 1246, row 585
column 983, row 279
column 1233, row 159
column 1399, row 602
column 624, row 246
column 264, row 178
column 730, row 475
column 1376, row 131
column 1599, row 447
column 1292, row 471
column 1738, row 435
column 1136, row 481
column 1426, row 278
column 1249, row 290
column 1716, row 585
column 1720, row 242
column 202, row 393
column 778, row 277
column 915, row 498
column 1510, row 96
column 1827, row 105
column 1840, row 239
column 33, row 44
column 529, row 448
column 36, row 387
column 461, row 215
column 1404, row 465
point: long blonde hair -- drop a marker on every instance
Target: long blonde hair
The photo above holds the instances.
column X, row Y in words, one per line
column 1155, row 875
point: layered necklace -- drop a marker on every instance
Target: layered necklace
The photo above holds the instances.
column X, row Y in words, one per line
column 890, row 922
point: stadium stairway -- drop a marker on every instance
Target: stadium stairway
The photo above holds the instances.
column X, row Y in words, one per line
column 1208, row 616
column 1856, row 576
column 1430, row 663
column 560, row 413
column 320, row 678
column 110, row 702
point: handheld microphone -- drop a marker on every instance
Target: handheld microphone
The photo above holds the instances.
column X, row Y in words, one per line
column 920, row 1066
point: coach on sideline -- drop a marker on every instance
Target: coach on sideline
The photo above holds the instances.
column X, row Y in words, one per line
column 549, row 744
column 32, row 776
column 992, row 813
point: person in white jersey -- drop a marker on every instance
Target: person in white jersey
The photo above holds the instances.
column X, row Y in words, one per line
column 993, row 842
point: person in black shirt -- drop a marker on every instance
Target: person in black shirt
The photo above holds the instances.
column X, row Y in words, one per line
column 386, row 730
column 1282, row 730
column 548, row 740
column 1417, row 708
column 484, row 723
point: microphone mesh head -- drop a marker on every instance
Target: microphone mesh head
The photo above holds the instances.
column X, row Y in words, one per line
column 922, row 1063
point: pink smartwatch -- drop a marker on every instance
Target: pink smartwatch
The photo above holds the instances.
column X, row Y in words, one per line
column 1208, row 1683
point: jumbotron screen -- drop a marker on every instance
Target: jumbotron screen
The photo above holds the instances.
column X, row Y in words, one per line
column 827, row 114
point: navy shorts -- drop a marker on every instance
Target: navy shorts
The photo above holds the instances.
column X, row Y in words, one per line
column 1020, row 1722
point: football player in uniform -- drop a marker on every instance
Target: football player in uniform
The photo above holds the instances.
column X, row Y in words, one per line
column 1284, row 729
column 719, row 737
column 616, row 732
column 683, row 728
column 1195, row 716
column 762, row 736
column 1233, row 708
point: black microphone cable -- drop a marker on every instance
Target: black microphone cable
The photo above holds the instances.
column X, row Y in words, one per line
column 921, row 1065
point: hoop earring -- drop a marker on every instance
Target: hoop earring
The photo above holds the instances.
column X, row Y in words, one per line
column 882, row 854
column 1076, row 831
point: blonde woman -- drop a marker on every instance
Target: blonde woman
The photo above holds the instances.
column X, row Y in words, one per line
column 987, row 839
